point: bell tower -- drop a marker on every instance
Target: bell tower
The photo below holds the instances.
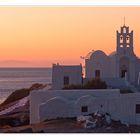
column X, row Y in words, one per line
column 125, row 57
column 124, row 41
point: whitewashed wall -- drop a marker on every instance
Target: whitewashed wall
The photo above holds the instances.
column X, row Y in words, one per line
column 53, row 108
column 59, row 71
column 98, row 61
column 51, row 104
column 38, row 98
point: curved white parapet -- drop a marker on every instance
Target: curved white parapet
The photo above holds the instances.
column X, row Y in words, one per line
column 54, row 108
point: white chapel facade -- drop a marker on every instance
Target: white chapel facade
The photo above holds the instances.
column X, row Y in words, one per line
column 121, row 64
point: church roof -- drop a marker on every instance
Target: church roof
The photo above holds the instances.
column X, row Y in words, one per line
column 94, row 53
column 89, row 54
column 98, row 52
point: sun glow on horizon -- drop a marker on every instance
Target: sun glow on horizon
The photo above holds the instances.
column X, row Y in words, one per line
column 41, row 36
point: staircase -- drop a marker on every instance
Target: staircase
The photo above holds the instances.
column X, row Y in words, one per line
column 120, row 83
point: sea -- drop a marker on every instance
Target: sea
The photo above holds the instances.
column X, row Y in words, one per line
column 12, row 79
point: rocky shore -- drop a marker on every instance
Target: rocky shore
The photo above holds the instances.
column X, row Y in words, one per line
column 14, row 111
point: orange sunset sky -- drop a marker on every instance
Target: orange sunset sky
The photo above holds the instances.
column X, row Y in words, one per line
column 40, row 36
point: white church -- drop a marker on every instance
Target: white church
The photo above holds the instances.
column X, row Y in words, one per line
column 120, row 65
column 119, row 70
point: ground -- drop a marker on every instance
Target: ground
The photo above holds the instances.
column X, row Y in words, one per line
column 70, row 126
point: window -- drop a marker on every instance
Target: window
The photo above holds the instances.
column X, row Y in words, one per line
column 137, row 108
column 121, row 46
column 123, row 73
column 127, row 39
column 121, row 39
column 66, row 80
column 97, row 73
column 124, row 30
column 84, row 109
column 127, row 46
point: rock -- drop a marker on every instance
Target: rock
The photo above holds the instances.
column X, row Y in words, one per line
column 108, row 128
column 108, row 119
column 90, row 124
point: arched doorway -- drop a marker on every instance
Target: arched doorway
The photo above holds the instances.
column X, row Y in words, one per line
column 124, row 67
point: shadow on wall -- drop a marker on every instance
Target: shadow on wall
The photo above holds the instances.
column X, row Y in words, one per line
column 53, row 108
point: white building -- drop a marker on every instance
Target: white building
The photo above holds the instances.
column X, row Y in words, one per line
column 117, row 68
column 52, row 104
column 66, row 75
column 121, row 63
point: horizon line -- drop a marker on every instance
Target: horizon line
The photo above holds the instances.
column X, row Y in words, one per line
column 25, row 67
